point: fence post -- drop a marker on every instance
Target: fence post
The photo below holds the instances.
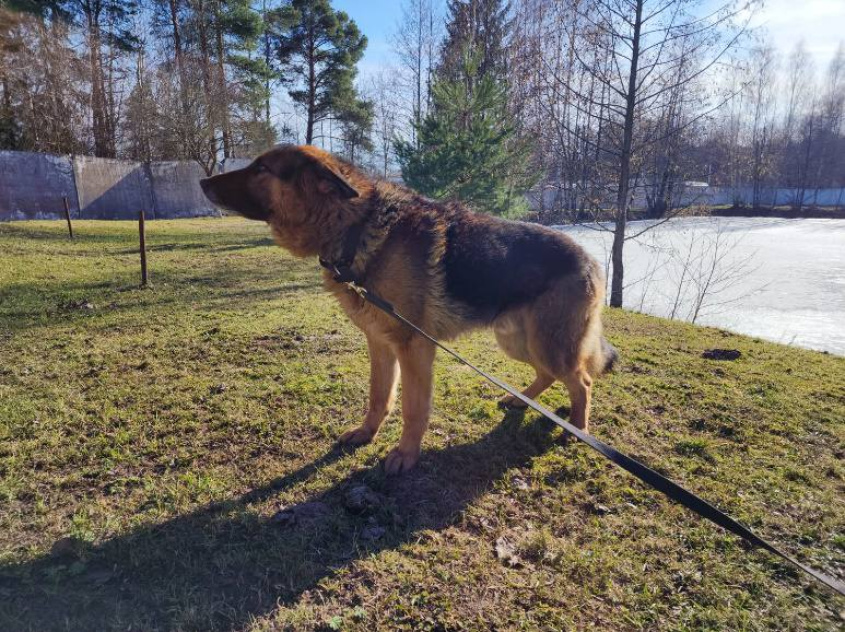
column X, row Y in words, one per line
column 143, row 243
column 67, row 217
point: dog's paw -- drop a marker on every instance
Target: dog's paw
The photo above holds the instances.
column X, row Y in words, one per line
column 356, row 436
column 399, row 461
column 509, row 401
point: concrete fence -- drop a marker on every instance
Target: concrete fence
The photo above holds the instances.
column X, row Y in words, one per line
column 32, row 187
column 776, row 196
column 551, row 197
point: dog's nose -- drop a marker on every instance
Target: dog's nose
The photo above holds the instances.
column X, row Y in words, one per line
column 205, row 185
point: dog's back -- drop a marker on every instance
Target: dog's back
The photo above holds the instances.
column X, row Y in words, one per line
column 494, row 265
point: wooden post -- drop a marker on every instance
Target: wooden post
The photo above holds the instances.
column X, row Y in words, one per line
column 67, row 217
column 143, row 239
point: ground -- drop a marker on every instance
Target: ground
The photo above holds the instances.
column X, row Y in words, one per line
column 167, row 462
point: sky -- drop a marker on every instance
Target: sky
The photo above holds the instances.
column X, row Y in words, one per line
column 378, row 20
column 819, row 23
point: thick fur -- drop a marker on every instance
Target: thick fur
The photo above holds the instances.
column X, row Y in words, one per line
column 442, row 266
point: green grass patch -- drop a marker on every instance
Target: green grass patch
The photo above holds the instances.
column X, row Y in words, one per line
column 150, row 437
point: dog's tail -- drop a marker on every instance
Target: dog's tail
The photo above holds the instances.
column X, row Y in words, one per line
column 610, row 355
column 603, row 357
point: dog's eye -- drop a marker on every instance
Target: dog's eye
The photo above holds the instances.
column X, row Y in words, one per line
column 261, row 168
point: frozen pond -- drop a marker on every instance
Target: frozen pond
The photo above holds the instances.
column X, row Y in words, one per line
column 779, row 279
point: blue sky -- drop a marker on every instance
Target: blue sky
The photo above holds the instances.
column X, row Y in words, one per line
column 377, row 19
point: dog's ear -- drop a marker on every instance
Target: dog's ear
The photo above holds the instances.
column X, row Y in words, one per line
column 331, row 180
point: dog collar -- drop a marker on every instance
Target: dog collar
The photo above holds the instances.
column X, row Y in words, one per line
column 341, row 268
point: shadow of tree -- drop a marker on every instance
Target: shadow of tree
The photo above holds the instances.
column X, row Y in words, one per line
column 226, row 563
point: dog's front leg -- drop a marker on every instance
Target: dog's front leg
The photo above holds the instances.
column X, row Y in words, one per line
column 383, row 377
column 416, row 361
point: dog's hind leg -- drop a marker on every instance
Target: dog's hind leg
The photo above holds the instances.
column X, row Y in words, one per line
column 416, row 363
column 540, row 384
column 511, row 336
column 383, row 377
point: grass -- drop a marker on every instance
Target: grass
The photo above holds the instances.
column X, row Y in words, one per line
column 150, row 437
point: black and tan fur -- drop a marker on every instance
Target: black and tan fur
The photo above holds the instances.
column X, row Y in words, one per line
column 442, row 266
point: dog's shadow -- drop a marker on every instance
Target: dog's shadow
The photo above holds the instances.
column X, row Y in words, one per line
column 220, row 566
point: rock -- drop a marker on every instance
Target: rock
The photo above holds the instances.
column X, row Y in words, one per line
column 361, row 499
column 284, row 517
column 372, row 533
column 99, row 577
column 82, row 303
column 520, row 483
column 506, row 552
column 721, row 354
column 65, row 546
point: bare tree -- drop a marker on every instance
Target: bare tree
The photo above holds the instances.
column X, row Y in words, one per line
column 415, row 43
column 709, row 270
column 800, row 123
column 654, row 51
column 797, row 87
column 832, row 117
column 44, row 100
column 107, row 29
column 383, row 94
column 761, row 87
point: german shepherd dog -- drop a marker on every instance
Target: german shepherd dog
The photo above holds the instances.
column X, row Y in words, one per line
column 444, row 267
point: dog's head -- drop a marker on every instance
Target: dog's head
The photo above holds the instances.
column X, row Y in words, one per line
column 288, row 187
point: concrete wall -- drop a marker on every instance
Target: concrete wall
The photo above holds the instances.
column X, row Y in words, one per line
column 233, row 164
column 176, row 189
column 32, row 186
column 776, row 197
column 112, row 189
column 554, row 198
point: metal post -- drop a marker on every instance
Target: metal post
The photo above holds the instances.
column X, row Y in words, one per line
column 67, row 217
column 143, row 242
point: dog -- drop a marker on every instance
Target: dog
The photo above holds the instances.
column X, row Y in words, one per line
column 444, row 267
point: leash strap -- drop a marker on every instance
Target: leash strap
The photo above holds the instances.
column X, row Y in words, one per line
column 343, row 274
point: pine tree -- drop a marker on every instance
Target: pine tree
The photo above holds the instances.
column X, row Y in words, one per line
column 318, row 49
column 356, row 125
column 238, row 31
column 468, row 149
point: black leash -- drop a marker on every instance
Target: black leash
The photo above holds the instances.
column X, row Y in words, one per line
column 342, row 273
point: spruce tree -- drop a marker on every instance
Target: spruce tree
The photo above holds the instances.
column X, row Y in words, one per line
column 468, row 149
column 482, row 25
